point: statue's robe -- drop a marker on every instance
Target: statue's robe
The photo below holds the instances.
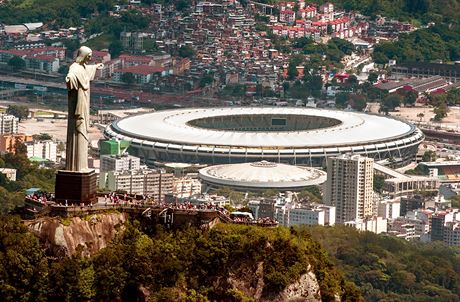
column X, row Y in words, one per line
column 78, row 81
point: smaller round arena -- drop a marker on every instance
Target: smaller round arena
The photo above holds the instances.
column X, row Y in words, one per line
column 260, row 176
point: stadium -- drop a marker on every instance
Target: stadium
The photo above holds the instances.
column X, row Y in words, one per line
column 259, row 176
column 298, row 136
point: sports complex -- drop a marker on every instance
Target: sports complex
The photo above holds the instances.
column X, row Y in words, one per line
column 298, row 136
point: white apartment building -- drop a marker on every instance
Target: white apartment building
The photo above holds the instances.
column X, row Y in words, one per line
column 287, row 215
column 119, row 163
column 9, row 124
column 389, row 208
column 146, row 182
column 42, row 149
column 10, row 174
column 373, row 224
column 408, row 228
column 184, row 187
column 452, row 233
column 349, row 187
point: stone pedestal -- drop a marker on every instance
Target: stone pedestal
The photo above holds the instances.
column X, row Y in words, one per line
column 76, row 187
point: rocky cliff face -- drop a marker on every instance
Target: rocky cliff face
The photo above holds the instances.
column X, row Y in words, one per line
column 251, row 283
column 90, row 234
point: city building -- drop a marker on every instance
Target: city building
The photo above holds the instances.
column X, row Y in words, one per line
column 399, row 184
column 9, row 124
column 438, row 222
column 450, row 72
column 43, row 63
column 8, row 141
column 451, row 235
column 411, row 203
column 290, row 214
column 119, row 163
column 46, row 150
column 389, row 208
column 132, row 41
column 372, row 224
column 10, row 174
column 112, row 147
column 262, row 208
column 186, row 186
column 142, row 73
column 147, row 182
column 349, row 187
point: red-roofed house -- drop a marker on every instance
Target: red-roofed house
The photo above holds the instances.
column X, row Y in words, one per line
column 130, row 60
column 101, row 56
column 180, row 66
column 34, row 58
column 57, row 52
column 308, row 12
column 108, row 69
column 42, row 63
column 142, row 73
column 287, row 16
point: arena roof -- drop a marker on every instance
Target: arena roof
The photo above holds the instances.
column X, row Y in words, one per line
column 173, row 126
column 262, row 175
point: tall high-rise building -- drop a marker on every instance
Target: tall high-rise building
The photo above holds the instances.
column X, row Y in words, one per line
column 9, row 124
column 349, row 187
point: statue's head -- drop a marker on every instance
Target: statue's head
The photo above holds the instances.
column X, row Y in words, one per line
column 84, row 54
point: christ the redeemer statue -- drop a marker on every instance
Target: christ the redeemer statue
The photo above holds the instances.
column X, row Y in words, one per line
column 78, row 80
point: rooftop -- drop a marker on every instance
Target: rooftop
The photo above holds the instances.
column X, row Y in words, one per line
column 338, row 128
column 263, row 174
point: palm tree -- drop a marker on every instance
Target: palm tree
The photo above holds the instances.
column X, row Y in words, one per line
column 421, row 116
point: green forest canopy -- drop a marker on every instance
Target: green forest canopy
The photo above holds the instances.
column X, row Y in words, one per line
column 391, row 269
column 188, row 265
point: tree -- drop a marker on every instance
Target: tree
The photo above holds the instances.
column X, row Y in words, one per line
column 186, row 51
column 358, row 102
column 115, row 48
column 440, row 112
column 16, row 63
column 315, row 83
column 42, row 137
column 390, row 102
column 341, row 100
column 208, row 78
column 292, row 72
column 182, row 5
column 429, row 156
column 379, row 181
column 71, row 46
column 421, row 115
column 352, row 80
column 410, row 97
column 270, row 193
column 128, row 78
column 19, row 111
column 286, row 86
column 372, row 77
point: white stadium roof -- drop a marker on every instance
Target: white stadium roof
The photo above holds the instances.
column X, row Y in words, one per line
column 262, row 175
column 172, row 127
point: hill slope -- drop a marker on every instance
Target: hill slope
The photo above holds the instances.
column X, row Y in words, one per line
column 391, row 269
column 227, row 263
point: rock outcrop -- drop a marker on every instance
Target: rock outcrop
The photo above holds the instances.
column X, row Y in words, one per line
column 90, row 234
column 252, row 285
